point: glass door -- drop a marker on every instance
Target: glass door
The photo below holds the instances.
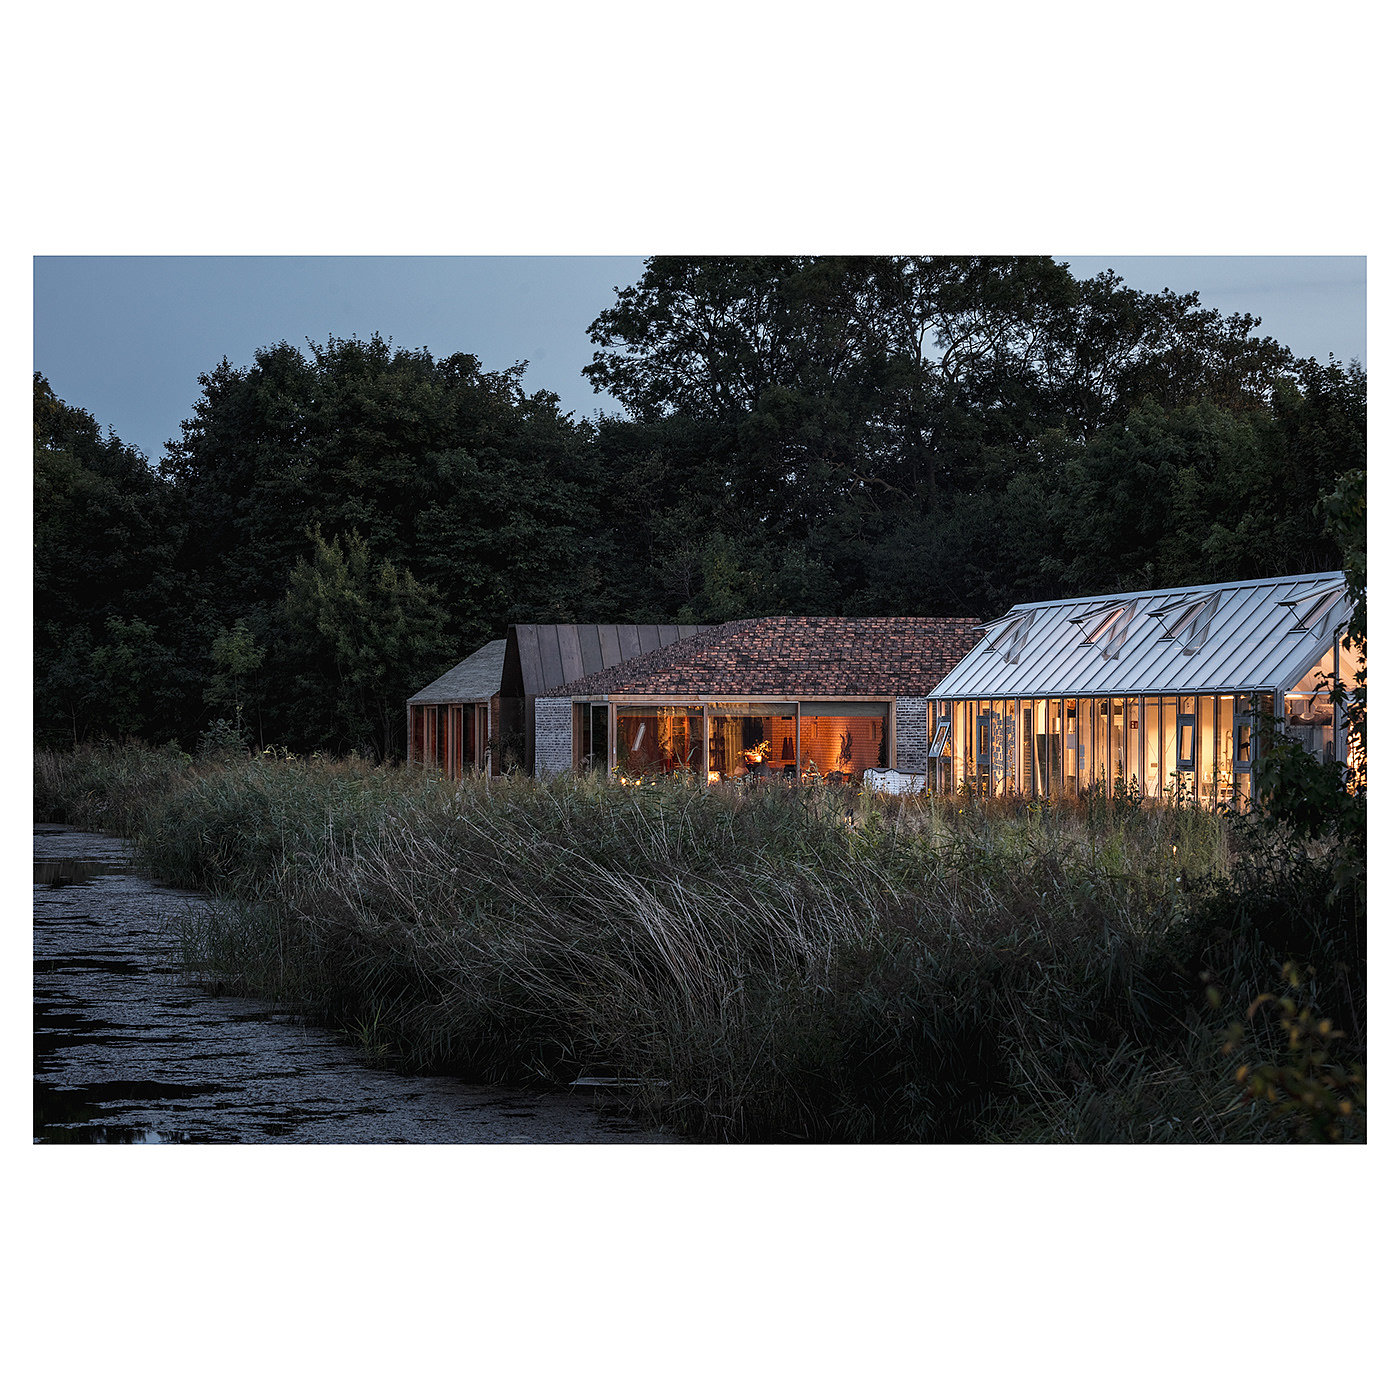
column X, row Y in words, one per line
column 598, row 739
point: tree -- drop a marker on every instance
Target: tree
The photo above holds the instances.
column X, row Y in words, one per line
column 107, row 531
column 237, row 658
column 864, row 411
column 130, row 678
column 361, row 636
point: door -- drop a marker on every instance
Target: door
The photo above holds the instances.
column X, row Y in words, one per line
column 598, row 739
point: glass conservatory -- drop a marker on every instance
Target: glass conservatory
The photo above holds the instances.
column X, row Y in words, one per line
column 1157, row 695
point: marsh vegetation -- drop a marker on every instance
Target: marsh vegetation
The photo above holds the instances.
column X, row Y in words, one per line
column 770, row 964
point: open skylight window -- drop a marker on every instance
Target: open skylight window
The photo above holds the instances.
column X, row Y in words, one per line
column 1188, row 619
column 1094, row 623
column 1106, row 625
column 1118, row 631
column 1311, row 608
column 1008, row 634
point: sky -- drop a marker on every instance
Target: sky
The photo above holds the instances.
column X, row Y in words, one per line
column 127, row 337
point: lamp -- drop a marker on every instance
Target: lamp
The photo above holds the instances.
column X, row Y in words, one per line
column 788, row 754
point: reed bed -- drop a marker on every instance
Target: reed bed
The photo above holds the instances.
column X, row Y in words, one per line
column 758, row 964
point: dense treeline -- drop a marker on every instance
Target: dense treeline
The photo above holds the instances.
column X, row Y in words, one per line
column 830, row 435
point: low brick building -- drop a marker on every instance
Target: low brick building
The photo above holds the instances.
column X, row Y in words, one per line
column 797, row 698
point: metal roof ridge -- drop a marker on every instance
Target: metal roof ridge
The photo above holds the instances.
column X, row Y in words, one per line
column 1108, row 595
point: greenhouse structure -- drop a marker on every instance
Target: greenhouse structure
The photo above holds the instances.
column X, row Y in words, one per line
column 1155, row 694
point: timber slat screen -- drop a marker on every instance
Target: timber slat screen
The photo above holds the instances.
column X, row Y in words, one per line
column 450, row 737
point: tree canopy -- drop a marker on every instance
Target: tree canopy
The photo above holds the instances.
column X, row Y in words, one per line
column 861, row 435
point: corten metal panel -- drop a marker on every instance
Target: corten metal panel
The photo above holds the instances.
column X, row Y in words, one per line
column 588, row 647
column 551, row 665
column 531, row 672
column 570, row 654
column 1250, row 644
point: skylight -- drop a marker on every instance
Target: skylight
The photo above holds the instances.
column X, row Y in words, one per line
column 1312, row 608
column 1188, row 619
column 1106, row 624
column 1010, row 635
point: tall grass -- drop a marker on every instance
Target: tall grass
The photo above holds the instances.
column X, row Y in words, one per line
column 105, row 789
column 769, row 964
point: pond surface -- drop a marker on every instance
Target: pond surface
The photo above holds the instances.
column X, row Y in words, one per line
column 128, row 1051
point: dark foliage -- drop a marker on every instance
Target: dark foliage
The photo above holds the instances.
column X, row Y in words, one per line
column 857, row 435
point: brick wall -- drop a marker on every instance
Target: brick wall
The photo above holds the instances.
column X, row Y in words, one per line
column 554, row 736
column 911, row 733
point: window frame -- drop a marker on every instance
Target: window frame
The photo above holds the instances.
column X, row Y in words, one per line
column 1185, row 720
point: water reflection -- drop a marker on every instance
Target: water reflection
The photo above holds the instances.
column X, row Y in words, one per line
column 58, row 873
column 126, row 1051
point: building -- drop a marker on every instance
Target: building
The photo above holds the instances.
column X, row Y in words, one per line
column 782, row 697
column 480, row 714
column 452, row 720
column 1154, row 693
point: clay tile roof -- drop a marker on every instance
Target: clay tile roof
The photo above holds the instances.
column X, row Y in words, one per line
column 796, row 656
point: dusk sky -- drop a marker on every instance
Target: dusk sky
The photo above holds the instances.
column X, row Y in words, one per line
column 126, row 337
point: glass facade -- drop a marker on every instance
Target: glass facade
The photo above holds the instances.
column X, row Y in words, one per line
column 752, row 741
column 657, row 739
column 831, row 741
column 841, row 739
column 1309, row 716
column 1156, row 746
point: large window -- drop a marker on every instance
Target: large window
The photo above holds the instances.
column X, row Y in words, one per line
column 963, row 765
column 1102, row 765
column 590, row 737
column 753, row 741
column 1074, row 746
column 1132, row 735
column 1152, row 723
column 1055, row 748
column 659, row 739
column 1309, row 716
column 1242, row 749
column 1117, row 744
column 842, row 738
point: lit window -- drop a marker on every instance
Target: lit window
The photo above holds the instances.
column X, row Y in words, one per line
column 1186, row 743
column 942, row 746
column 1244, row 740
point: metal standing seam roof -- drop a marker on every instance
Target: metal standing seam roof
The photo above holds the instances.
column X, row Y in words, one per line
column 1252, row 641
column 475, row 679
column 555, row 654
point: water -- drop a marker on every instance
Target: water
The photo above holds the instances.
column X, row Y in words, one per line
column 127, row 1051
